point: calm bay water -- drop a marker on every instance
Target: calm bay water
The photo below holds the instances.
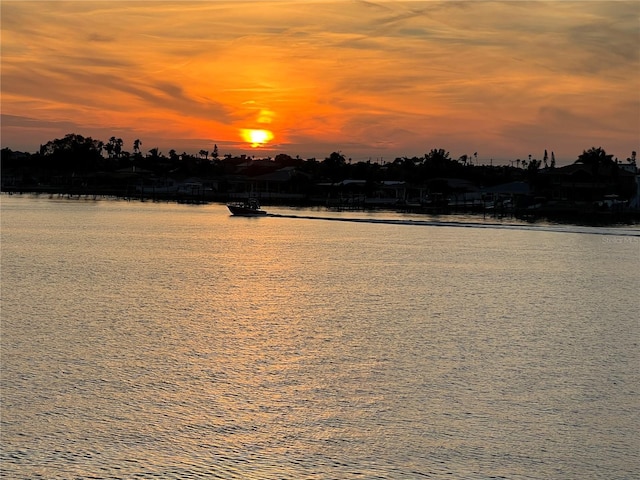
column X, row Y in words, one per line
column 146, row 340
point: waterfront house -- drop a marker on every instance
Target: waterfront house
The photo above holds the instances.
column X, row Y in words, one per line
column 584, row 183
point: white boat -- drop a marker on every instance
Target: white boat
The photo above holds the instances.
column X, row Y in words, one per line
column 250, row 208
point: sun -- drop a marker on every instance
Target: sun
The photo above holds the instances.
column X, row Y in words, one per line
column 256, row 138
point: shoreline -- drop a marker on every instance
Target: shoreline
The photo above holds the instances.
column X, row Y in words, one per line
column 553, row 214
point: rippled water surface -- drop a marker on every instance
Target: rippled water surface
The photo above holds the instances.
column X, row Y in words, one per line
column 146, row 340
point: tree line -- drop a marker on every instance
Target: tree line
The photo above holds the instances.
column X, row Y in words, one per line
column 77, row 155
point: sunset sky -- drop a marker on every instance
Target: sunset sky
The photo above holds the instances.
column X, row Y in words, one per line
column 371, row 79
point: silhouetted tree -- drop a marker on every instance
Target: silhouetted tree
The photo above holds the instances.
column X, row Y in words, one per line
column 73, row 152
column 595, row 157
column 154, row 153
column 599, row 161
column 436, row 163
column 71, row 158
column 333, row 166
column 437, row 155
column 114, row 147
column 632, row 158
column 109, row 149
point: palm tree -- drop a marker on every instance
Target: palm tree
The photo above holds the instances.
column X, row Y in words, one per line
column 118, row 147
column 109, row 148
column 597, row 159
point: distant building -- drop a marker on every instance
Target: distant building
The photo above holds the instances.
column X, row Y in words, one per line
column 584, row 183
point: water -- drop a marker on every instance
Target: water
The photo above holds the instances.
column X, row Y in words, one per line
column 145, row 340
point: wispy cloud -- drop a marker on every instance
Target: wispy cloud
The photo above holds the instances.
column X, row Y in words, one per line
column 397, row 76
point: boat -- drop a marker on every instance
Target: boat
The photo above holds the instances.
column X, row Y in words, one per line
column 249, row 208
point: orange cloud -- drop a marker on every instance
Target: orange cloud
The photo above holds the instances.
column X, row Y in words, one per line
column 390, row 78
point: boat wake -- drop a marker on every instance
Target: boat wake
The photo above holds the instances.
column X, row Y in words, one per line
column 615, row 231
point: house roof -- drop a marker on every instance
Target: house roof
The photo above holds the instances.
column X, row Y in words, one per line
column 587, row 170
column 281, row 175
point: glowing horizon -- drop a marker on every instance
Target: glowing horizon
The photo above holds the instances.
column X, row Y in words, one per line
column 369, row 79
column 256, row 138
